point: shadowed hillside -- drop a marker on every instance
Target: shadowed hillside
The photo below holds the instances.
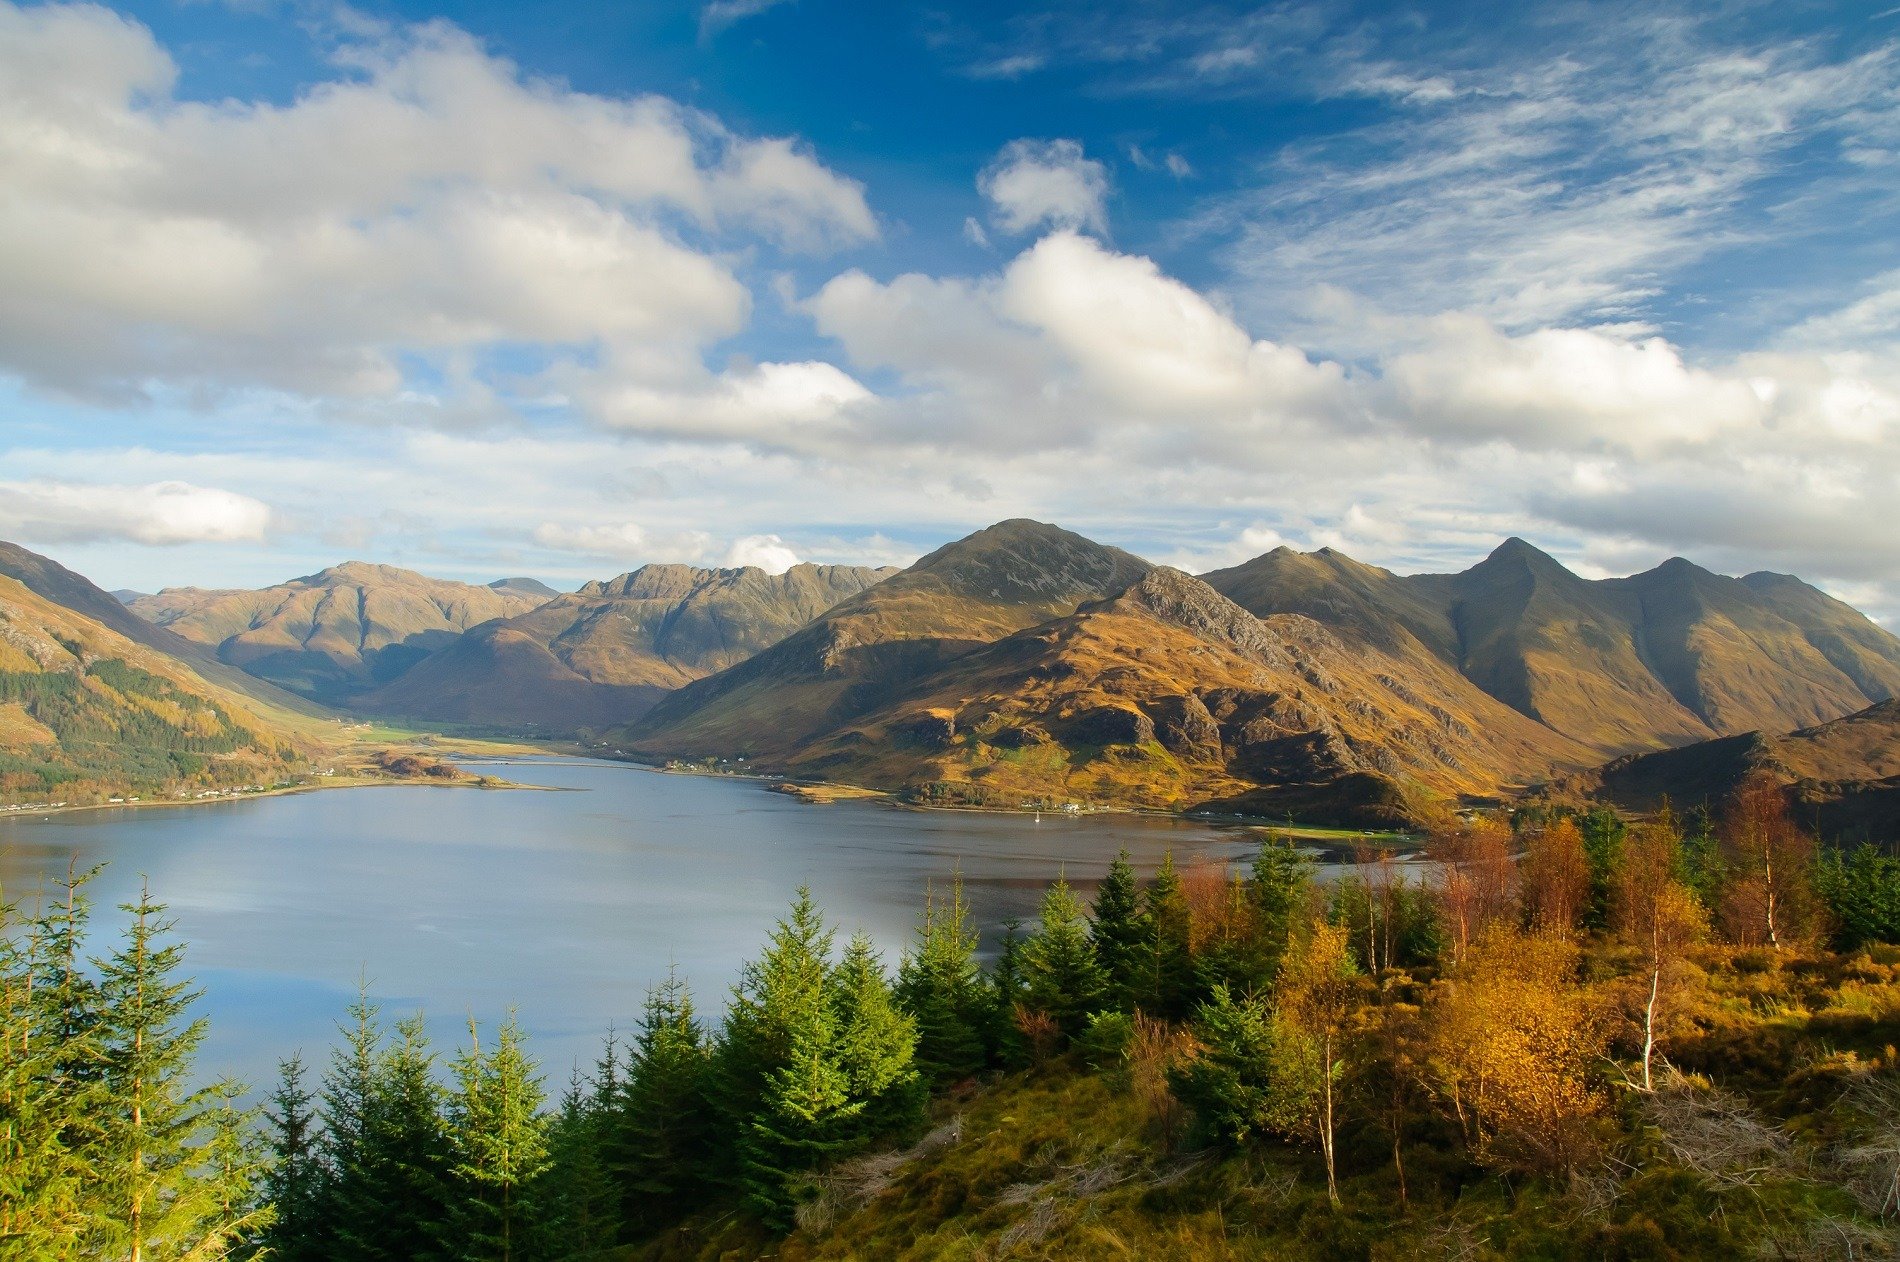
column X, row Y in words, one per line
column 605, row 654
column 1667, row 657
column 1842, row 777
column 337, row 633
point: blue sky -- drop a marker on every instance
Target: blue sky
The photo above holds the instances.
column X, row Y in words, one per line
column 561, row 289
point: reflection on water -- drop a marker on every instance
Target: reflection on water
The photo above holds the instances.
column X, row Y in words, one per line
column 565, row 906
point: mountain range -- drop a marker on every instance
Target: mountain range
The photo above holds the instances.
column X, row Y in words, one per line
column 1027, row 664
column 606, row 653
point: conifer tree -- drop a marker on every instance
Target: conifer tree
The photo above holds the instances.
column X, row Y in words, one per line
column 660, row 1134
column 580, row 1211
column 777, row 1086
column 500, row 1147
column 389, row 1147
column 295, row 1183
column 941, row 987
column 1169, row 985
column 876, row 1044
column 1061, row 977
column 1003, row 1039
column 42, row 1178
column 1229, row 1084
column 1119, row 931
column 1281, row 886
column 162, row 1195
column 805, row 1119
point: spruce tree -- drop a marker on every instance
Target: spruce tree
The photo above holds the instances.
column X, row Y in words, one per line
column 876, row 1044
column 346, row 1109
column 806, row 1118
column 162, row 1195
column 1003, row 1038
column 1169, row 980
column 776, row 1083
column 295, row 1184
column 388, row 1145
column 1280, row 890
column 42, row 1179
column 580, row 1202
column 1119, row 931
column 941, row 987
column 660, row 1134
column 1061, row 977
column 499, row 1140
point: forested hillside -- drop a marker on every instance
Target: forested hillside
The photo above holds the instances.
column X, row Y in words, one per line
column 86, row 714
column 1572, row 1037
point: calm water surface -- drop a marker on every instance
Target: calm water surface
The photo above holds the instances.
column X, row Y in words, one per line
column 565, row 906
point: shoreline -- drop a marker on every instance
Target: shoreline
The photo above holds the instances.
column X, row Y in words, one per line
column 336, row 782
column 828, row 792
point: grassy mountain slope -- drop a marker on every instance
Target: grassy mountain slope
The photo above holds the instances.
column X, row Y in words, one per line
column 1664, row 658
column 856, row 656
column 86, row 712
column 331, row 635
column 606, row 653
column 1169, row 695
column 1843, row 776
column 54, row 582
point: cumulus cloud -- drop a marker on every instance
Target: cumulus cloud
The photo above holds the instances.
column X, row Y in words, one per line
column 157, row 513
column 429, row 200
column 1070, row 344
column 767, row 552
column 1045, row 183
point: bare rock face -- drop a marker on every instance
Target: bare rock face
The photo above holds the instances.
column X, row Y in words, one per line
column 1312, row 757
column 1186, row 728
column 1110, row 725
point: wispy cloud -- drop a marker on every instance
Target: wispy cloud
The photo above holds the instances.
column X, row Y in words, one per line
column 720, row 14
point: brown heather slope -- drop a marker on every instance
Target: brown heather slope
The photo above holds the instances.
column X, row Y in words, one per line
column 607, row 653
column 331, row 635
column 1671, row 656
column 855, row 657
column 1169, row 695
column 1841, row 777
column 87, row 712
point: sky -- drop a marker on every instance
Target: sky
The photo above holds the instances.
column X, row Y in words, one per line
column 560, row 289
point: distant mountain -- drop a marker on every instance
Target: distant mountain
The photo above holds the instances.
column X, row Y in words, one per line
column 533, row 588
column 87, row 713
column 1670, row 656
column 864, row 652
column 1841, row 777
column 334, row 634
column 125, row 595
column 605, row 654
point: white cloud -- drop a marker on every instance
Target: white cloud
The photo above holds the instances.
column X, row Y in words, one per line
column 767, row 552
column 1570, row 389
column 1045, row 183
column 1069, row 345
column 791, row 406
column 157, row 513
column 429, row 200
